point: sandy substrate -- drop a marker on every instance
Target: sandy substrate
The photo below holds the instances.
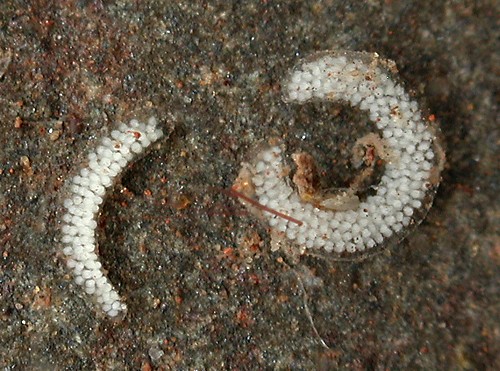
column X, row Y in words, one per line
column 203, row 289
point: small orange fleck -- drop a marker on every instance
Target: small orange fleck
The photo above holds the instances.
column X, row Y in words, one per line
column 432, row 118
column 136, row 134
column 243, row 317
column 228, row 251
column 254, row 279
column 18, row 122
column 148, row 193
column 424, row 350
column 282, row 298
column 178, row 297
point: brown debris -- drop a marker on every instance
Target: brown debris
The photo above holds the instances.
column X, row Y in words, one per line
column 306, row 181
column 181, row 202
column 56, row 132
column 435, row 176
column 42, row 298
column 25, row 163
column 306, row 176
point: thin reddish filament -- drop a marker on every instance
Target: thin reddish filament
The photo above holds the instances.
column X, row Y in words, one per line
column 234, row 193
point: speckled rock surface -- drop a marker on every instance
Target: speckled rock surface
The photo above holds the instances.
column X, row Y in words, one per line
column 203, row 288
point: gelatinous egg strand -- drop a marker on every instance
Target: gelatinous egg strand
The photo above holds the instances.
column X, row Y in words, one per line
column 87, row 190
column 364, row 81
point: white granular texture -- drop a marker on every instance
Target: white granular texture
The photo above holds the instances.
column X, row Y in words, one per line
column 87, row 190
column 362, row 82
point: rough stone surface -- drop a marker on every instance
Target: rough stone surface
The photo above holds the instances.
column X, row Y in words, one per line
column 203, row 288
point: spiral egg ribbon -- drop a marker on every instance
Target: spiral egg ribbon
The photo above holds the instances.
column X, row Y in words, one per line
column 362, row 80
